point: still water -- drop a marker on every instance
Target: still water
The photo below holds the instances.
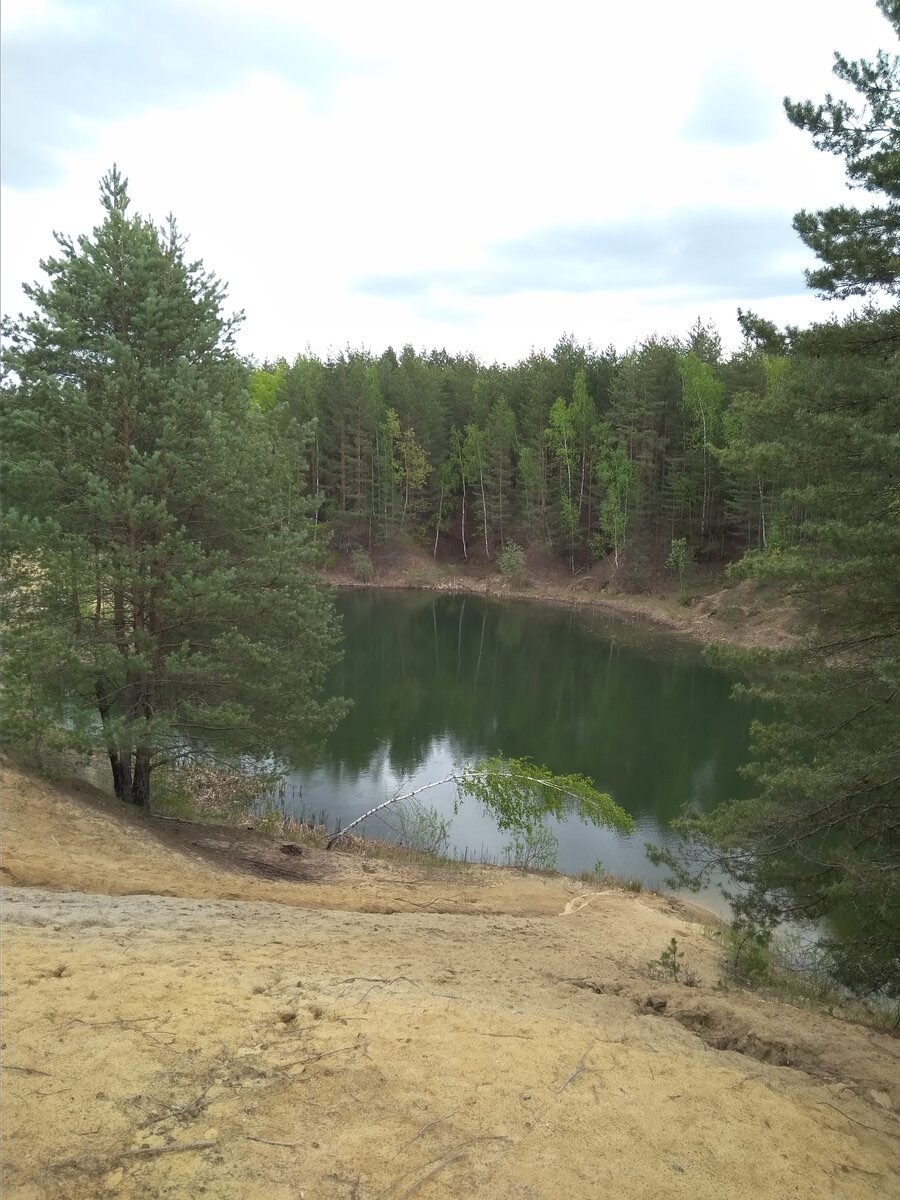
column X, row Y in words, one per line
column 441, row 680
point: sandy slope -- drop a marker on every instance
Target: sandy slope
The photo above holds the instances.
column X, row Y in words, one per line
column 486, row 1038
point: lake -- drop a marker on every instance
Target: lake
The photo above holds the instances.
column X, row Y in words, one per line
column 440, row 680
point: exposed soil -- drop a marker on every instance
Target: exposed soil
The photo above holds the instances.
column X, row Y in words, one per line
column 190, row 1011
column 744, row 614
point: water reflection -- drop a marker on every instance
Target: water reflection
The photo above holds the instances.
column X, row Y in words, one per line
column 438, row 680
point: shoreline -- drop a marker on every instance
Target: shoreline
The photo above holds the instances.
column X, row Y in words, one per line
column 697, row 622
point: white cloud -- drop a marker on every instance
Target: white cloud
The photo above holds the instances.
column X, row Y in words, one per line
column 452, row 131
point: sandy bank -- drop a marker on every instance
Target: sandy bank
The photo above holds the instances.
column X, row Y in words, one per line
column 276, row 1046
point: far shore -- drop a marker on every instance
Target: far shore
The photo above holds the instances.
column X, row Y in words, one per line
column 727, row 615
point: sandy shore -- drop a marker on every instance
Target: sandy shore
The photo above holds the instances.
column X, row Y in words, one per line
column 494, row 1034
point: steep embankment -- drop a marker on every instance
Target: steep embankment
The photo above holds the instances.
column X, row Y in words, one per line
column 494, row 1034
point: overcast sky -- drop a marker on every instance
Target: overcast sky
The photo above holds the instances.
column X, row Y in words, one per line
column 480, row 176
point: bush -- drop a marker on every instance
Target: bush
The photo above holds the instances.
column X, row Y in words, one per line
column 670, row 968
column 532, row 848
column 362, row 566
column 511, row 564
column 681, row 556
column 420, row 827
column 208, row 792
column 748, row 955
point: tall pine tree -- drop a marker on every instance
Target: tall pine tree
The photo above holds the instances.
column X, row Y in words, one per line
column 160, row 597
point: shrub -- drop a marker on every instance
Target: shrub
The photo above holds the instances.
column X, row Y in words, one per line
column 532, row 848
column 679, row 561
column 362, row 566
column 748, row 954
column 670, row 967
column 420, row 827
column 511, row 564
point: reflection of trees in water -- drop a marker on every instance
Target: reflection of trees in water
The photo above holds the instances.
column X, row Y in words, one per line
column 655, row 728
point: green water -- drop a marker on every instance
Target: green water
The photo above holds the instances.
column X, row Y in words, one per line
column 439, row 680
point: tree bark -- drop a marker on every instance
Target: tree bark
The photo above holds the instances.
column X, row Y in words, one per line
column 140, row 783
column 121, row 773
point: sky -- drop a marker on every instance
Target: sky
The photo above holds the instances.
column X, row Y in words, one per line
column 482, row 177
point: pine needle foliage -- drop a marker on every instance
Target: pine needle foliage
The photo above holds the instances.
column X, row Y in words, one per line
column 161, row 603
column 820, row 841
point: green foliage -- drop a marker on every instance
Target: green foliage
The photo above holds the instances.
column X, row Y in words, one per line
column 590, row 454
column 520, row 794
column 668, row 965
column 820, row 840
column 679, row 560
column 263, row 386
column 511, row 564
column 859, row 249
column 419, row 827
column 536, row 849
column 158, row 551
column 748, row 958
column 615, row 473
column 362, row 566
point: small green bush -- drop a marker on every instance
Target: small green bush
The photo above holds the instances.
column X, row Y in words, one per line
column 533, row 849
column 670, row 967
column 511, row 564
column 681, row 556
column 748, row 957
column 362, row 566
column 420, row 827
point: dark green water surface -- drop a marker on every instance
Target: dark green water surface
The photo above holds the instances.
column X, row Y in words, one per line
column 440, row 680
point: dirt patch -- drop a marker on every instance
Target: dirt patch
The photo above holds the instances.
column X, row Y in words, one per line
column 174, row 1046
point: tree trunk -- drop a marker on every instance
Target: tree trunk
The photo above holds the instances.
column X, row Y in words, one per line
column 121, row 771
column 487, row 548
column 437, row 525
column 140, row 783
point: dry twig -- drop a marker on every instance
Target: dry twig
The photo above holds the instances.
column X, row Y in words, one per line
column 579, row 1069
column 267, row 1142
column 176, row 1148
column 441, row 1161
column 430, row 1125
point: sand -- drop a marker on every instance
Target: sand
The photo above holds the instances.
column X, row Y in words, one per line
column 179, row 1023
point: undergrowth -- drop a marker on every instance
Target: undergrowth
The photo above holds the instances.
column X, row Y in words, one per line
column 794, row 970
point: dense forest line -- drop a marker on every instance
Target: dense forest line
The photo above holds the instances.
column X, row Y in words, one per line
column 629, row 458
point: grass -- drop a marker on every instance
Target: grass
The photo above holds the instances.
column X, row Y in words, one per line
column 787, row 969
column 599, row 876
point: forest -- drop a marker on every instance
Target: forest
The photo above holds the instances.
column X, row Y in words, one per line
column 631, row 459
column 169, row 507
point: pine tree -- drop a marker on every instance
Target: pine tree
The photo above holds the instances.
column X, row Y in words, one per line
column 499, row 439
column 161, row 602
column 821, row 838
column 859, row 248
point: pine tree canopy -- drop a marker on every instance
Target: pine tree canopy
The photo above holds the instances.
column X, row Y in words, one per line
column 820, row 841
column 859, row 248
column 161, row 602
